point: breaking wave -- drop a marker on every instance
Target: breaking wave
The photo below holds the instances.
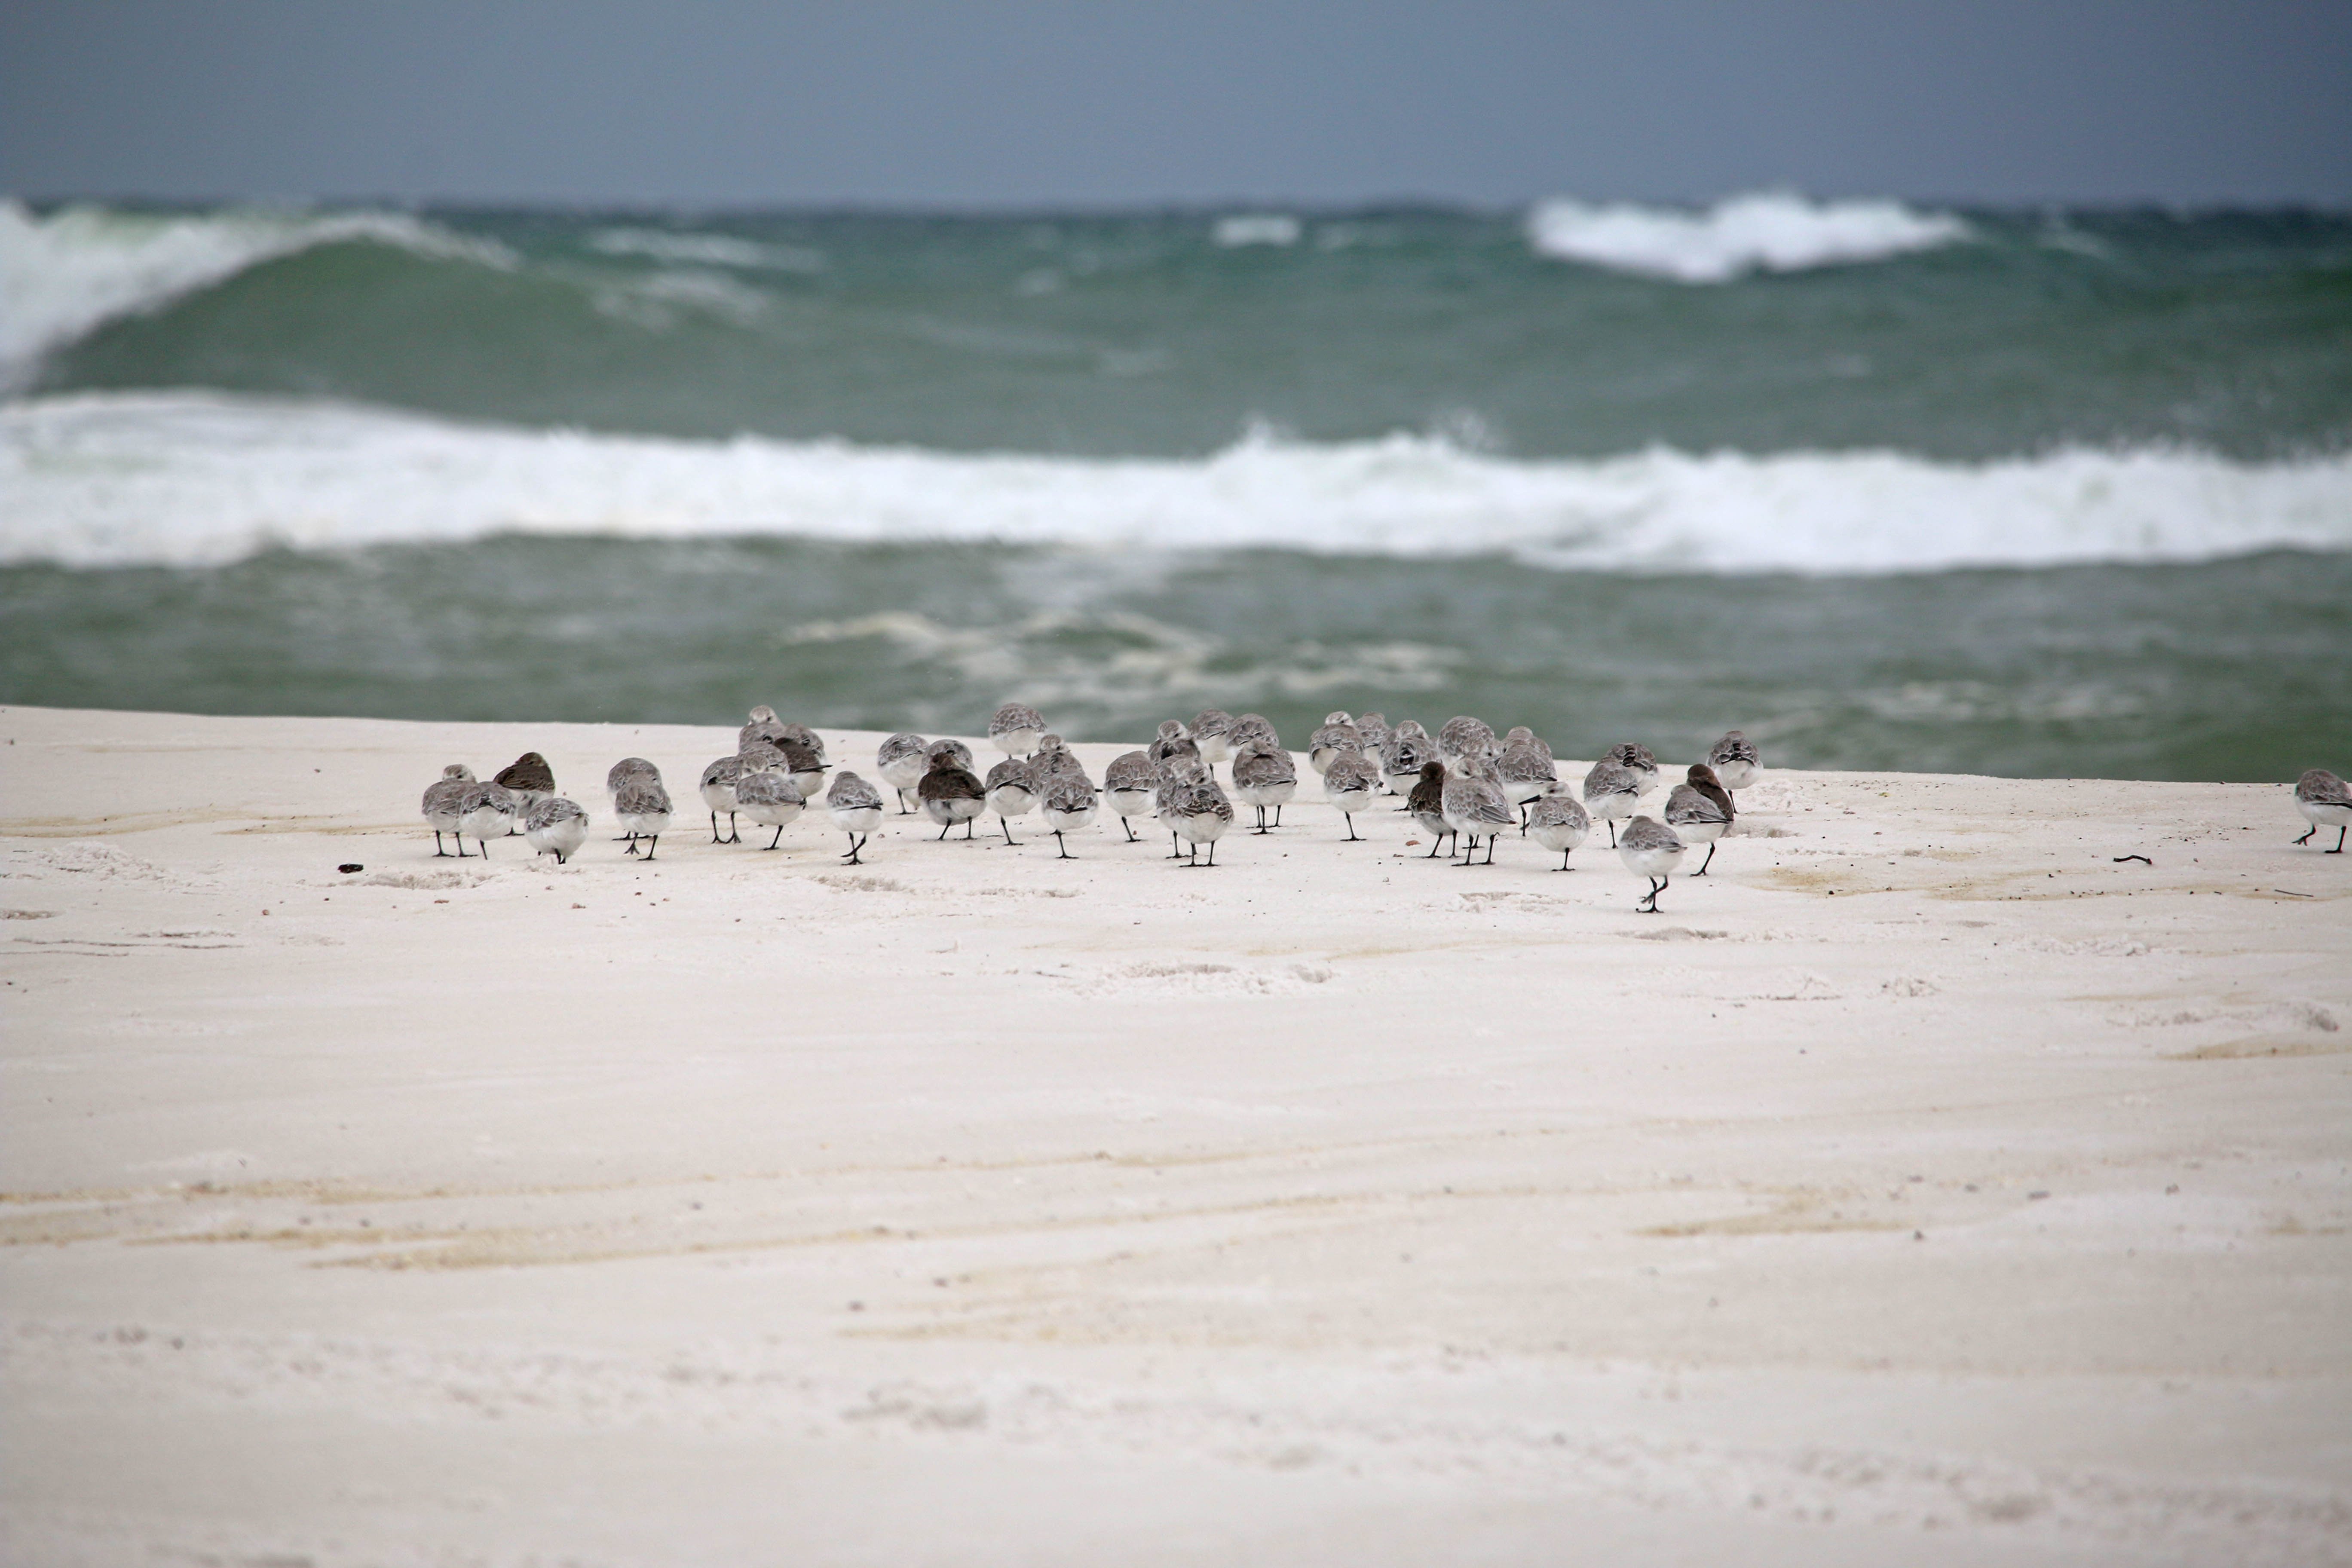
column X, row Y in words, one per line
column 1767, row 231
column 195, row 479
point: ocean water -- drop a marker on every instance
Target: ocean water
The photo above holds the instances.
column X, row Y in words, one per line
column 2022, row 492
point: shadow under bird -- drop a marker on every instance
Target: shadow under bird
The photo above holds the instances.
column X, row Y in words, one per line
column 1700, row 812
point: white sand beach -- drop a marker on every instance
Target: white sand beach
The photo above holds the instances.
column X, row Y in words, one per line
column 1925, row 1185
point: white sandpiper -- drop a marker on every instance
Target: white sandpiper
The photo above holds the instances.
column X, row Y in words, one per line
column 1650, row 848
column 901, row 762
column 951, row 791
column 1127, row 786
column 1264, row 777
column 856, row 807
column 1611, row 791
column 1700, row 812
column 770, row 798
column 556, row 827
column 2320, row 795
column 643, row 805
column 1557, row 822
column 1017, row 729
column 1349, row 782
column 444, row 799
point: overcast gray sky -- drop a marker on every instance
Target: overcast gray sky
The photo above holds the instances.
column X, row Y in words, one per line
column 987, row 104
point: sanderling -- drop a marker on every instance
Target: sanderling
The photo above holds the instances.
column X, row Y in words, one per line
column 805, row 765
column 790, row 735
column 764, row 726
column 900, row 762
column 1525, row 772
column 1462, row 736
column 643, row 806
column 1170, row 774
column 443, row 799
column 1611, row 791
column 1347, row 784
column 1338, row 731
column 1203, row 812
column 1017, row 729
column 1427, row 803
column 529, row 779
column 1054, row 759
column 1557, row 822
column 1172, row 744
column 1700, row 812
column 1650, row 848
column 951, row 791
column 718, row 780
column 556, row 827
column 1212, row 733
column 1473, row 806
column 1371, row 735
column 486, row 811
column 1637, row 760
column 2319, row 795
column 770, row 798
column 1520, row 735
column 1265, row 776
column 1736, row 762
column 856, row 807
column 1409, row 747
column 1127, row 786
column 622, row 772
column 1067, row 805
column 1011, row 792
column 1251, row 727
column 955, row 751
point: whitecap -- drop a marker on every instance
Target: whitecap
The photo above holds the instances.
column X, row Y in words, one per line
column 198, row 478
column 1765, row 231
column 65, row 272
column 704, row 250
column 1256, row 229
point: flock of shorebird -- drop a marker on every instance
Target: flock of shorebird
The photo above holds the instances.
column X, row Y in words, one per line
column 1463, row 785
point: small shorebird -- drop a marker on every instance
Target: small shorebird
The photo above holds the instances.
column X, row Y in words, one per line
column 1337, row 732
column 1011, row 790
column 1700, row 812
column 1171, row 744
column 1067, row 805
column 770, row 798
column 1520, row 735
column 1371, row 735
column 1473, row 806
column 1127, row 786
column 529, row 779
column 624, row 770
column 2320, row 795
column 556, row 827
column 1611, row 791
column 442, row 798
column 1427, row 803
column 643, row 806
column 718, row 780
column 1170, row 776
column 1409, row 746
column 1557, row 822
column 1734, row 762
column 1650, row 848
column 1265, row 776
column 1525, row 772
column 790, row 735
column 1203, row 813
column 805, row 765
column 856, row 807
column 1349, row 782
column 1054, row 759
column 488, row 811
column 1463, row 736
column 957, row 750
column 900, row 762
column 1251, row 727
column 1212, row 733
column 1636, row 760
column 764, row 726
column 951, row 791
column 1017, row 729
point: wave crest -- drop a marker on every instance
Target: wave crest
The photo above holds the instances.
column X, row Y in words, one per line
column 195, row 479
column 1766, row 231
column 68, row 272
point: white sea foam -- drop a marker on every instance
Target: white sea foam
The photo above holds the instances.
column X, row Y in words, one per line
column 65, row 272
column 1256, row 229
column 1766, row 231
column 704, row 250
column 106, row 478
